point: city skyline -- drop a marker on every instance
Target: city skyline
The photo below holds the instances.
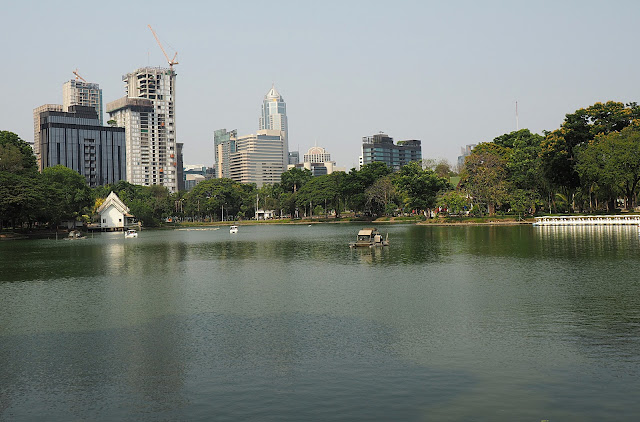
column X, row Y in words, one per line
column 447, row 74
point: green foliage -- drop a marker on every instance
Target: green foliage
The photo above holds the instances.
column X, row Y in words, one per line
column 419, row 188
column 355, row 184
column 558, row 155
column 381, row 196
column 611, row 162
column 454, row 201
column 16, row 156
column 209, row 198
column 322, row 190
column 484, row 177
column 294, row 179
column 67, row 195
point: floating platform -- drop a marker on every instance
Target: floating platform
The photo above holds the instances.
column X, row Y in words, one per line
column 588, row 220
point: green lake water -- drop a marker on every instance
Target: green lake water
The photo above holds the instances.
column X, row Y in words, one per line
column 287, row 323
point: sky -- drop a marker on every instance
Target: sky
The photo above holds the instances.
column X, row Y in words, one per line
column 447, row 73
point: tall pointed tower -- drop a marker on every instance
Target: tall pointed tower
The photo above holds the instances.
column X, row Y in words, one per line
column 274, row 117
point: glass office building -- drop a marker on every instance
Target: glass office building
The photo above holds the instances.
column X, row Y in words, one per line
column 380, row 148
column 75, row 139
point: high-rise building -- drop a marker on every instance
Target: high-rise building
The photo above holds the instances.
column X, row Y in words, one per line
column 464, row 153
column 380, row 148
column 318, row 160
column 76, row 92
column 255, row 158
column 180, row 165
column 294, row 157
column 316, row 155
column 224, row 144
column 36, row 128
column 148, row 115
column 76, row 139
column 274, row 117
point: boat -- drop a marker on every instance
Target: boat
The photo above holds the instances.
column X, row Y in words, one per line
column 233, row 229
column 129, row 234
column 369, row 237
column 75, row 235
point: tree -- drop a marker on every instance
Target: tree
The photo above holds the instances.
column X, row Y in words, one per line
column 380, row 196
column 357, row 181
column 454, row 201
column 484, row 177
column 443, row 169
column 558, row 155
column 420, row 187
column 320, row 190
column 612, row 162
column 21, row 188
column 16, row 155
column 210, row 197
column 67, row 193
column 294, row 179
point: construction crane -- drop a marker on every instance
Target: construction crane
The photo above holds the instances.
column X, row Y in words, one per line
column 75, row 72
column 170, row 61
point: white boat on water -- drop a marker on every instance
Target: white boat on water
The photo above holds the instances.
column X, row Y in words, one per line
column 233, row 229
column 129, row 234
column 369, row 237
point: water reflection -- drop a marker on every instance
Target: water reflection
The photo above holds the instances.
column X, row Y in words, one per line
column 289, row 323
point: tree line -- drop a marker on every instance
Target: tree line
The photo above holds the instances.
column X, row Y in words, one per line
column 591, row 163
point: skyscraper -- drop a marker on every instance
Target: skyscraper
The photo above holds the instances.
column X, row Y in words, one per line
column 76, row 92
column 255, row 158
column 274, row 117
column 148, row 115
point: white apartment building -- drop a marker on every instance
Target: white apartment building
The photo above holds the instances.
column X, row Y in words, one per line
column 76, row 92
column 148, row 115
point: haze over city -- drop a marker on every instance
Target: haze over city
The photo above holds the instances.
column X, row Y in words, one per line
column 447, row 74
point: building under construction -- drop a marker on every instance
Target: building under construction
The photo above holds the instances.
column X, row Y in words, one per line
column 147, row 113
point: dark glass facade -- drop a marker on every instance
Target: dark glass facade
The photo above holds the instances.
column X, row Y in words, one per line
column 76, row 140
column 380, row 148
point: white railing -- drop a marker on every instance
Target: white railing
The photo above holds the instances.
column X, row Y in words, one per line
column 587, row 220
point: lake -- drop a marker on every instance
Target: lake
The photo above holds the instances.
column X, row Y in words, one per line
column 287, row 323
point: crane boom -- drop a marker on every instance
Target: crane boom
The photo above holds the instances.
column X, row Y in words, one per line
column 75, row 72
column 170, row 61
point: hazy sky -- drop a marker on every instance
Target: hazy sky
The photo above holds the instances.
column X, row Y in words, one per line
column 447, row 73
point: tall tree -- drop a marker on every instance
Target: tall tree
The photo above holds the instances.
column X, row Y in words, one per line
column 558, row 149
column 381, row 195
column 68, row 193
column 16, row 155
column 294, row 179
column 612, row 162
column 420, row 187
column 21, row 187
column 484, row 177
